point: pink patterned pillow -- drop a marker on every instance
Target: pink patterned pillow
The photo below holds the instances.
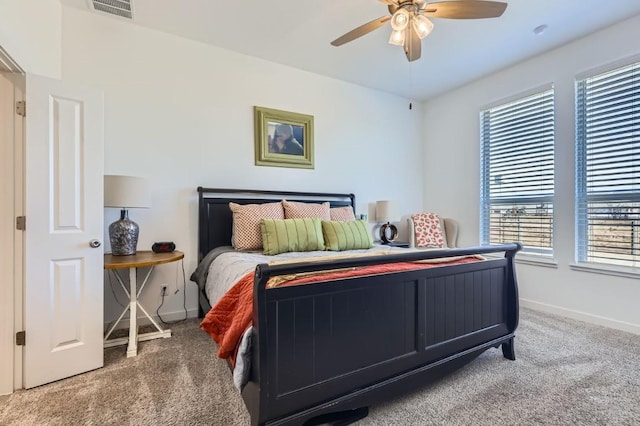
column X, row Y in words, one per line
column 246, row 223
column 298, row 210
column 428, row 230
column 342, row 214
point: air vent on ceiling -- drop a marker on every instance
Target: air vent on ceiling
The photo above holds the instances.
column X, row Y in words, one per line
column 115, row 7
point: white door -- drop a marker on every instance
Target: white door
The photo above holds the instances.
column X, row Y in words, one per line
column 64, row 213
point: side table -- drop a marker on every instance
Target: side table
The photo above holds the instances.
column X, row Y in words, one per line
column 133, row 262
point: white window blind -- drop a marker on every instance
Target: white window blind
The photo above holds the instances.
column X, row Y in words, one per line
column 517, row 173
column 608, row 167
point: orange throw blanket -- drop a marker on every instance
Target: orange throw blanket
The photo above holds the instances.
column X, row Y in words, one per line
column 227, row 321
column 230, row 317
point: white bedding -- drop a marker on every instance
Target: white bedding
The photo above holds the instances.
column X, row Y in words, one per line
column 228, row 268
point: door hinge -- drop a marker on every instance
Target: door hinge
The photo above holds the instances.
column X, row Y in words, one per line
column 21, row 108
column 21, row 223
column 21, row 338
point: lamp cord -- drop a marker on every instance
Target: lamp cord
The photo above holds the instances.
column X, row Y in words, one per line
column 113, row 292
column 184, row 300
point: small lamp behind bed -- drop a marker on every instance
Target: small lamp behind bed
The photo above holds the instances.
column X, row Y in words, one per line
column 387, row 211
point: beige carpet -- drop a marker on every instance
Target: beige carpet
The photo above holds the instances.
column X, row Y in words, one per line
column 566, row 373
column 174, row 381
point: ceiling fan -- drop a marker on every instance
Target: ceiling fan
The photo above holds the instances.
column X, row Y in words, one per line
column 410, row 20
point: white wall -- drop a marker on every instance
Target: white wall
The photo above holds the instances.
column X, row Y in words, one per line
column 452, row 131
column 181, row 113
column 30, row 32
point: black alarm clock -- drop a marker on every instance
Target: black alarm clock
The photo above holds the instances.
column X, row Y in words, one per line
column 163, row 247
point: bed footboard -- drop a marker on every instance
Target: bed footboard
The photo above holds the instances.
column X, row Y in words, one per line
column 337, row 346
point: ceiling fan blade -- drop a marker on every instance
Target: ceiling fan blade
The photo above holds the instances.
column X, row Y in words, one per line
column 465, row 9
column 361, row 30
column 412, row 46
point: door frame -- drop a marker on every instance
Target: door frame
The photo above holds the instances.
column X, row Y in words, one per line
column 11, row 305
column 63, row 269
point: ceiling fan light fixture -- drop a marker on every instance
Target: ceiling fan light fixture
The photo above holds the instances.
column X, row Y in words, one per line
column 422, row 26
column 397, row 38
column 410, row 23
column 400, row 20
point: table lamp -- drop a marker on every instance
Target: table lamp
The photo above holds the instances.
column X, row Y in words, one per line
column 387, row 211
column 125, row 192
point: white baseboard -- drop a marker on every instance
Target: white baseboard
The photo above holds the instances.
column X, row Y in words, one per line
column 581, row 316
column 552, row 309
column 168, row 317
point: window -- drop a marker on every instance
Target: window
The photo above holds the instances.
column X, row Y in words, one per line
column 517, row 173
column 608, row 167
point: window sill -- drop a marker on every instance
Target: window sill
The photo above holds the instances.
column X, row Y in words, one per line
column 531, row 259
column 600, row 268
column 536, row 260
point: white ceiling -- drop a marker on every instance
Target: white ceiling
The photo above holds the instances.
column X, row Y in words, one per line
column 298, row 33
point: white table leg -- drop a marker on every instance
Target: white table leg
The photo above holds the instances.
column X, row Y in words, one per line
column 154, row 334
column 115, row 342
column 133, row 292
column 132, row 349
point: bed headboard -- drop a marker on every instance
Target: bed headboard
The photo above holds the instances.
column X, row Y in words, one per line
column 215, row 220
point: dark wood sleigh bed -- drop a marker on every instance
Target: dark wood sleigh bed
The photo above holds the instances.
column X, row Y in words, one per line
column 327, row 351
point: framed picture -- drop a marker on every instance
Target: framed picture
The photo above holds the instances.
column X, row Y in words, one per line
column 283, row 139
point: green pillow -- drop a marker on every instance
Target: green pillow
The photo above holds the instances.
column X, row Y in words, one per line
column 346, row 235
column 285, row 235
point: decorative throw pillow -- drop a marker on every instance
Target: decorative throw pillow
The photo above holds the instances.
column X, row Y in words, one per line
column 445, row 236
column 428, row 231
column 298, row 210
column 349, row 235
column 246, row 223
column 286, row 235
column 342, row 213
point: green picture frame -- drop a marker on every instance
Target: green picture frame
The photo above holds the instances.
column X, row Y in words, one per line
column 283, row 138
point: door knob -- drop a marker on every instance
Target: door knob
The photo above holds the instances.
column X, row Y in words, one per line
column 94, row 243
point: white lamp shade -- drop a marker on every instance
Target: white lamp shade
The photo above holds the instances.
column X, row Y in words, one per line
column 422, row 25
column 397, row 38
column 387, row 211
column 400, row 19
column 126, row 192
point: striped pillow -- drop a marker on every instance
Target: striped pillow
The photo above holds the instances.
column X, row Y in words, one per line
column 246, row 223
column 350, row 235
column 282, row 236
